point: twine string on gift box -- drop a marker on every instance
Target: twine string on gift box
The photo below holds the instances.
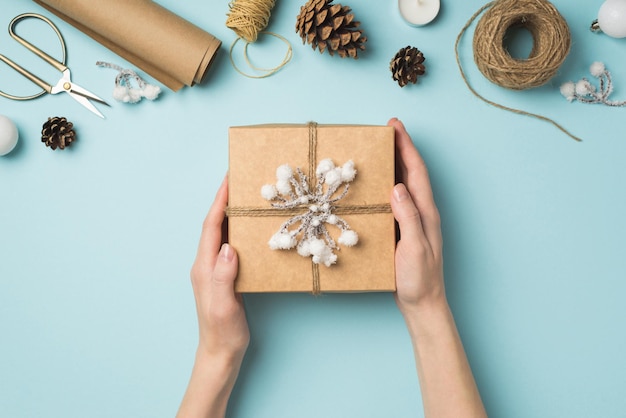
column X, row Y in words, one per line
column 241, row 211
column 551, row 45
column 338, row 210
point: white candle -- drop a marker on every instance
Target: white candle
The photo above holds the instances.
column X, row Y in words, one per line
column 418, row 12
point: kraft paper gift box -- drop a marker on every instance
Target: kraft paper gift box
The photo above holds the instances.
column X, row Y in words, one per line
column 256, row 152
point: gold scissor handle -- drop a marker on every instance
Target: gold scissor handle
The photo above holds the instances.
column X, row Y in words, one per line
column 52, row 61
column 32, row 77
column 59, row 65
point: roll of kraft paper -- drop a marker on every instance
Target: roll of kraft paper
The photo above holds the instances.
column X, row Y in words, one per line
column 164, row 45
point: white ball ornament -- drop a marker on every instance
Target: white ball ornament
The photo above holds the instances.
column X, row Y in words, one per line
column 304, row 249
column 151, row 92
column 8, row 135
column 120, row 93
column 134, row 95
column 348, row 238
column 269, row 192
column 330, row 259
column 348, row 172
column 568, row 90
column 333, row 177
column 324, row 166
column 283, row 187
column 612, row 18
column 284, row 172
column 282, row 241
column 583, row 87
column 597, row 69
column 316, row 246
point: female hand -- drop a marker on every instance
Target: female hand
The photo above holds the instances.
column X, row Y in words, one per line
column 221, row 316
column 446, row 380
column 419, row 261
column 223, row 329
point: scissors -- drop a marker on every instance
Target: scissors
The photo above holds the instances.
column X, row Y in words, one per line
column 64, row 85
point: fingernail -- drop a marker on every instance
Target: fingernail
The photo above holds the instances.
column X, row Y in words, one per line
column 226, row 252
column 399, row 192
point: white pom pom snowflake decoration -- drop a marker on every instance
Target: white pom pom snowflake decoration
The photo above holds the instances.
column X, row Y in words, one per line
column 583, row 91
column 308, row 232
column 129, row 86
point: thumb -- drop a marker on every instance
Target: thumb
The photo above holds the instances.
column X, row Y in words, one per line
column 406, row 213
column 224, row 273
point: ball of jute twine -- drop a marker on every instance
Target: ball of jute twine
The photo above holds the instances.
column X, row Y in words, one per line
column 248, row 19
column 551, row 45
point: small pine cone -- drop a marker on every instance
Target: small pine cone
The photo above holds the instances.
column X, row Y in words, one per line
column 57, row 133
column 330, row 27
column 407, row 65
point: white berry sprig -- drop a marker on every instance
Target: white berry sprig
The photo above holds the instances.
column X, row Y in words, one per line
column 308, row 232
column 585, row 92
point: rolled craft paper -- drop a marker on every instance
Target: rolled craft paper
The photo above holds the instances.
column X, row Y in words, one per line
column 418, row 12
column 164, row 45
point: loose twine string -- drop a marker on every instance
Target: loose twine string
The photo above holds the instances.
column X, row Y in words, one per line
column 339, row 209
column 248, row 19
column 551, row 45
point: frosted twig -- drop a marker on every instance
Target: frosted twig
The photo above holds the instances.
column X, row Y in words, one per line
column 585, row 92
column 311, row 238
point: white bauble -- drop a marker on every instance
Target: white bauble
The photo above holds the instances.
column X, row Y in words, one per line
column 8, row 135
column 612, row 18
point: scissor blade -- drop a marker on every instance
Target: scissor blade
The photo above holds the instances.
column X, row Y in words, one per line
column 85, row 93
column 85, row 102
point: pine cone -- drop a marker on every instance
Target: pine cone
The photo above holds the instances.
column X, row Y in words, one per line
column 57, row 132
column 330, row 27
column 407, row 65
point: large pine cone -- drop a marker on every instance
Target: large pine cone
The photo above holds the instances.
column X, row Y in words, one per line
column 58, row 133
column 407, row 65
column 330, row 27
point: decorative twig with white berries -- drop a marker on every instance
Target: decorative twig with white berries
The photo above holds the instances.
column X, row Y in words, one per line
column 307, row 232
column 585, row 92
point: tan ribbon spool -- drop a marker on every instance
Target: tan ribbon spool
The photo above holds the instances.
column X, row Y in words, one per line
column 338, row 209
column 551, row 46
column 551, row 43
column 248, row 19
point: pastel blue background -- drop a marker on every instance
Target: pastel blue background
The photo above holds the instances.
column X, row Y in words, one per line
column 97, row 315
